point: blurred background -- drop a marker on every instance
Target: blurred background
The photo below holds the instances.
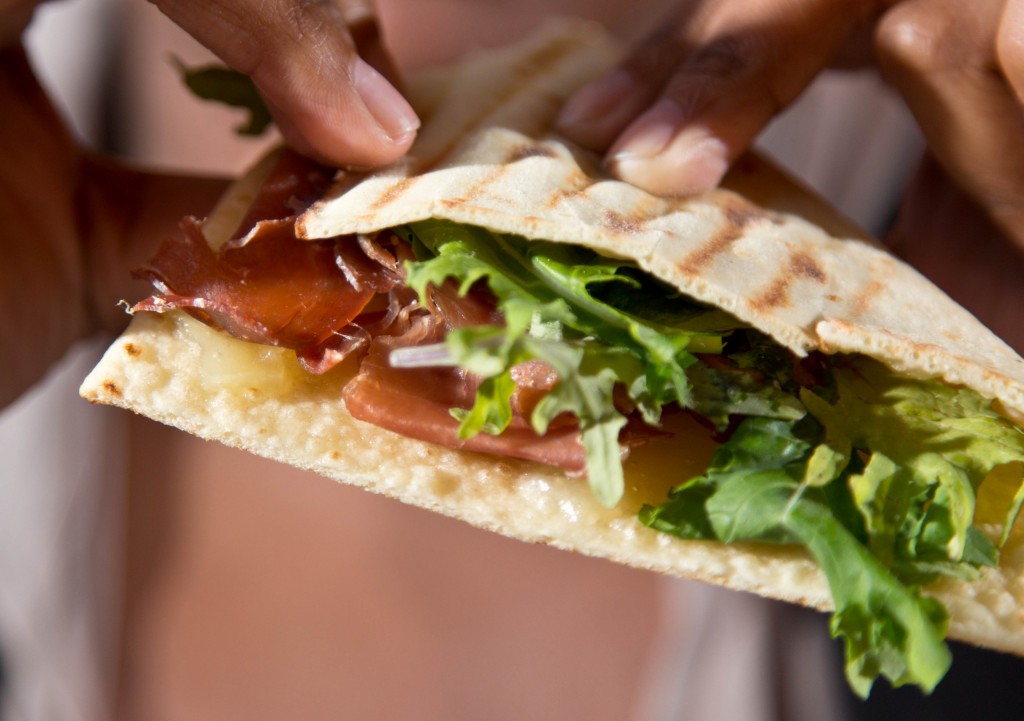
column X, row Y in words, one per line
column 149, row 575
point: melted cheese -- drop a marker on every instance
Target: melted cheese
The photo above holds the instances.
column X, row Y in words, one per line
column 229, row 363
column 656, row 467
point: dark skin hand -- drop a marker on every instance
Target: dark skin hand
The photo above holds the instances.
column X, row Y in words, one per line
column 76, row 223
column 688, row 102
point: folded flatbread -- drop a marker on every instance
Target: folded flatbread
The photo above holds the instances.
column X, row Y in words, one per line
column 762, row 248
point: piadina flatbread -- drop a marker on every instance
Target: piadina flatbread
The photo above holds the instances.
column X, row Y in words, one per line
column 764, row 250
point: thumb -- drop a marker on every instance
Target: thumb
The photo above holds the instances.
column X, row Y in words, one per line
column 309, row 60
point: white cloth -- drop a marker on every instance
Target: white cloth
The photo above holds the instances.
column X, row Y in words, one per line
column 59, row 548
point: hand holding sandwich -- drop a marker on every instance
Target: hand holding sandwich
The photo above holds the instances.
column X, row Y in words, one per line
column 75, row 224
column 685, row 104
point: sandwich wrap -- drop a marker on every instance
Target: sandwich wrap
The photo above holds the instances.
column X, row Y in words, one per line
column 762, row 249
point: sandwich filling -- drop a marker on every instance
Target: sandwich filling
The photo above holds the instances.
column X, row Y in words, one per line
column 553, row 353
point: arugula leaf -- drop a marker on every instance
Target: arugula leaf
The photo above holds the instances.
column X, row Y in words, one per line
column 549, row 297
column 754, row 491
column 588, row 374
column 931, row 445
column 492, row 411
column 719, row 393
column 230, row 87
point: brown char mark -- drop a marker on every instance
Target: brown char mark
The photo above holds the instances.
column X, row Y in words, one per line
column 737, row 214
column 622, row 224
column 530, row 150
column 478, row 189
column 863, row 299
column 801, row 266
column 396, row 191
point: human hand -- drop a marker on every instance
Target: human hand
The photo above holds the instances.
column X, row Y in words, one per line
column 320, row 66
column 684, row 105
column 689, row 100
column 962, row 75
column 75, row 224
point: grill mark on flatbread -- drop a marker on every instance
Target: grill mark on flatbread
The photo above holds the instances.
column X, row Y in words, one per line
column 478, row 189
column 393, row 193
column 862, row 301
column 804, row 266
column 737, row 214
column 800, row 266
column 624, row 224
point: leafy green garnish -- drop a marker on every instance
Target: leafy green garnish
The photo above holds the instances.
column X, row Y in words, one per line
column 230, row 87
column 876, row 475
column 879, row 487
column 551, row 298
column 932, row 446
column 754, row 491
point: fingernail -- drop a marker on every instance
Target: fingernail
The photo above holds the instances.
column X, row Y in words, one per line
column 387, row 106
column 693, row 162
column 594, row 101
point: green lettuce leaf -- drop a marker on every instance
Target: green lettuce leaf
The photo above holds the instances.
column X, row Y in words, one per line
column 878, row 484
column 555, row 303
column 754, row 490
column 230, row 87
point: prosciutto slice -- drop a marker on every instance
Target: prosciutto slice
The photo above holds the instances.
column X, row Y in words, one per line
column 273, row 290
column 264, row 285
column 417, row 403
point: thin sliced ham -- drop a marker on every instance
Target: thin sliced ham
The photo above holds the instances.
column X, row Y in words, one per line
column 417, row 403
column 272, row 290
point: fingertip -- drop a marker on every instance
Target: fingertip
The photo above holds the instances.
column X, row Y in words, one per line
column 687, row 167
column 388, row 107
column 664, row 154
column 307, row 60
